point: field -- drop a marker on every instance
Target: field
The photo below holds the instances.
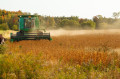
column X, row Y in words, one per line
column 81, row 56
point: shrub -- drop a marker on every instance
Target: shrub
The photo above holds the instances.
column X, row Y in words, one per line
column 4, row 26
column 14, row 27
column 67, row 22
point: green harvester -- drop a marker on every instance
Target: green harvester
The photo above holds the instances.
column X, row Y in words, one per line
column 29, row 29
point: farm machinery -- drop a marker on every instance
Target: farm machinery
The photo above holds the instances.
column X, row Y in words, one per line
column 29, row 29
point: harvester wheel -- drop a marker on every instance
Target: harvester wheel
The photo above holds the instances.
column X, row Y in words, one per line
column 21, row 33
column 18, row 34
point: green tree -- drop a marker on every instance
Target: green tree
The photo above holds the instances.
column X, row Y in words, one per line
column 52, row 21
column 69, row 23
column 4, row 26
column 88, row 24
column 64, row 22
column 73, row 23
column 14, row 27
column 0, row 19
column 116, row 15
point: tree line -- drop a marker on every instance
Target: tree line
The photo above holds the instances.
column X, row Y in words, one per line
column 9, row 20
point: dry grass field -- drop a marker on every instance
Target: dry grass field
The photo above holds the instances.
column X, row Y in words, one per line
column 67, row 43
column 90, row 56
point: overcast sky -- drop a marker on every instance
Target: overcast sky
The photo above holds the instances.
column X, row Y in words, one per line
column 81, row 8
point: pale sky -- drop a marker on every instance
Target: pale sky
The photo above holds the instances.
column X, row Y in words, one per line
column 80, row 8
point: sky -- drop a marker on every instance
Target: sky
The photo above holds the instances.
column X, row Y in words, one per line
column 80, row 8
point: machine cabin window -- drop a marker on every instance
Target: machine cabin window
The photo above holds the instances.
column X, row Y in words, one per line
column 29, row 23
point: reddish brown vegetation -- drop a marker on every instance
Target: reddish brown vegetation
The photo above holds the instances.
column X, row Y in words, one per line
column 78, row 49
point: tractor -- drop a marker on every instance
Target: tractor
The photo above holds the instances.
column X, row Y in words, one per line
column 29, row 29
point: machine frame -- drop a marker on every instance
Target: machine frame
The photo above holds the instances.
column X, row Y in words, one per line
column 29, row 29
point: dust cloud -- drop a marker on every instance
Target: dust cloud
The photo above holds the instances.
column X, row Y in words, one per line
column 114, row 25
column 62, row 32
column 6, row 34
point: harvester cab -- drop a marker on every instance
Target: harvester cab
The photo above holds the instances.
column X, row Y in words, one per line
column 29, row 29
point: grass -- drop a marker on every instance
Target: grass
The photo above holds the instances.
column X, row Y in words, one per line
column 66, row 57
